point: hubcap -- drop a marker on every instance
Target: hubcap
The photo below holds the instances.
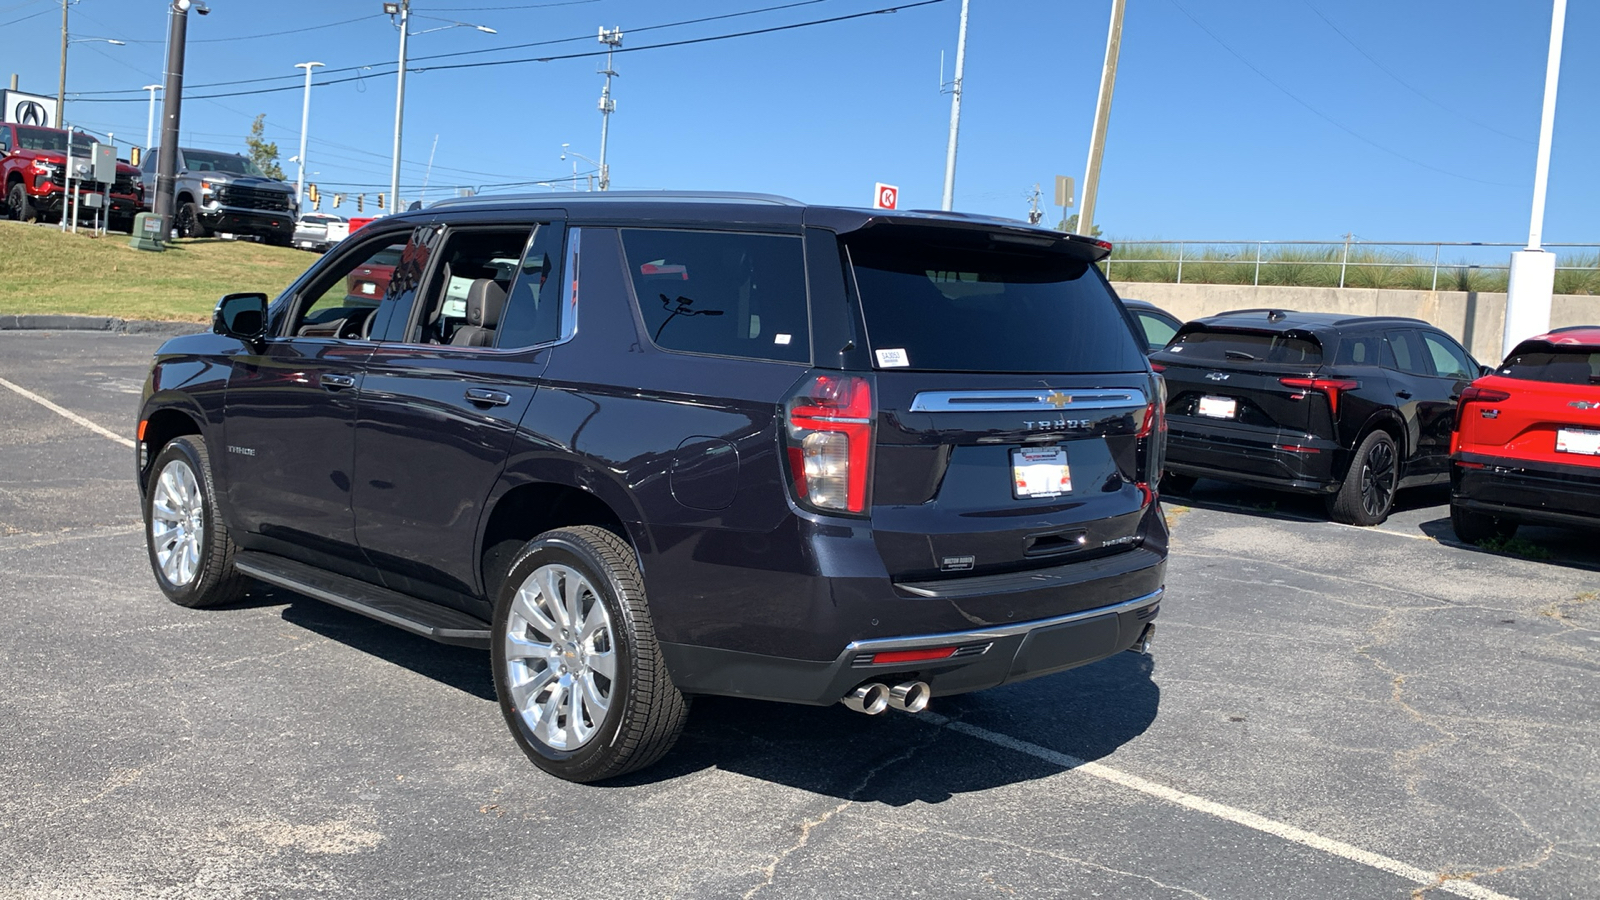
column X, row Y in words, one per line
column 1377, row 479
column 560, row 657
column 177, row 523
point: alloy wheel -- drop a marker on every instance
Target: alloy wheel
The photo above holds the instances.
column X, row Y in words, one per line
column 1377, row 478
column 177, row 523
column 560, row 652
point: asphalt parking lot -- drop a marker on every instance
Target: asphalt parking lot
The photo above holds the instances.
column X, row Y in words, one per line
column 1328, row 712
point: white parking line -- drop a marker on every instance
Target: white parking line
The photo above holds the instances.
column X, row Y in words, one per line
column 67, row 414
column 1247, row 819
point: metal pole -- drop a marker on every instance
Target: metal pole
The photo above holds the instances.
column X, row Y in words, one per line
column 305, row 120
column 1531, row 281
column 955, row 114
column 1258, row 264
column 399, row 108
column 612, row 39
column 150, row 121
column 1102, row 119
column 1552, row 78
column 1435, row 268
column 1180, row 261
column 61, row 90
column 1344, row 260
column 171, row 111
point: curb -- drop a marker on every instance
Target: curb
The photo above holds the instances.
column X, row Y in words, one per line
column 97, row 323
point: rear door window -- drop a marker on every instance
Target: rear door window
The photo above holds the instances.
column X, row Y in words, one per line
column 939, row 301
column 533, row 306
column 721, row 293
column 1157, row 331
column 1405, row 353
column 1449, row 360
column 1223, row 345
column 1560, row 365
column 1360, row 350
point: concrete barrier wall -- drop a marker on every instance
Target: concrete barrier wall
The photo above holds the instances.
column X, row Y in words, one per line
column 1475, row 318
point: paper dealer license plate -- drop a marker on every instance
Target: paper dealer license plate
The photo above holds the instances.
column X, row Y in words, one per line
column 1578, row 440
column 1218, row 407
column 1040, row 472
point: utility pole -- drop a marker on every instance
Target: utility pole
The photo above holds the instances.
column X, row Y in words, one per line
column 612, row 39
column 61, row 90
column 399, row 106
column 955, row 114
column 171, row 110
column 1035, row 214
column 1533, row 271
column 305, row 120
column 1102, row 119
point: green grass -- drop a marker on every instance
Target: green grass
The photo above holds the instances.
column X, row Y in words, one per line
column 45, row 271
column 1318, row 266
column 1516, row 546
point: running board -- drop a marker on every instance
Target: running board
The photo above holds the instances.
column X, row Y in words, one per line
column 430, row 620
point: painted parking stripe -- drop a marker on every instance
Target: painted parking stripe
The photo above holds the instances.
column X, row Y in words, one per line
column 67, row 413
column 1237, row 816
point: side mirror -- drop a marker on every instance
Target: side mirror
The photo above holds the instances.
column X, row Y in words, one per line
column 242, row 316
column 1485, row 370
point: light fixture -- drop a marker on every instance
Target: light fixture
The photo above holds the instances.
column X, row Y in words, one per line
column 392, row 9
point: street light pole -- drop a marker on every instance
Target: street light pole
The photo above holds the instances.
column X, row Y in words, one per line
column 305, row 120
column 1102, row 120
column 399, row 104
column 171, row 111
column 150, row 121
column 955, row 114
column 1533, row 271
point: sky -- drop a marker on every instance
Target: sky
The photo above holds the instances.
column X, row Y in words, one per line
column 1392, row 120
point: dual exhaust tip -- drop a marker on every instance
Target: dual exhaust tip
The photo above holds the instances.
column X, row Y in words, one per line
column 874, row 697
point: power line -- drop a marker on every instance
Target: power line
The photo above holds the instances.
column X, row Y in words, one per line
column 1324, row 116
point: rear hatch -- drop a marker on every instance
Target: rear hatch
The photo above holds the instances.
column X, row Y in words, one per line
column 1015, row 415
column 1543, row 405
column 1232, row 381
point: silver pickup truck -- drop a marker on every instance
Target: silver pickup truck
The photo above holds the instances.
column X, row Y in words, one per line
column 226, row 192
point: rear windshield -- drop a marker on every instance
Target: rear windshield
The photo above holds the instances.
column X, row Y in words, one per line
column 1577, row 365
column 1248, row 346
column 980, row 307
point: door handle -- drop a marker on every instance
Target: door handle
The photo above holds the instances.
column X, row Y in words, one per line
column 1403, row 395
column 483, row 397
column 338, row 382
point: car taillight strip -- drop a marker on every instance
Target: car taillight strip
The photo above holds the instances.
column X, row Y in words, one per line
column 829, row 428
column 1327, row 386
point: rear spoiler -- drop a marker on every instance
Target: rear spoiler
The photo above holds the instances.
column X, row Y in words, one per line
column 997, row 230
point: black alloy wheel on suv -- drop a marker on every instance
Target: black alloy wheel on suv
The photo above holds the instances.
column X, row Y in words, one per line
column 1352, row 408
column 648, row 446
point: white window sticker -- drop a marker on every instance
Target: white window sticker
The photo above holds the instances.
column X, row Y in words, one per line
column 889, row 359
column 780, row 339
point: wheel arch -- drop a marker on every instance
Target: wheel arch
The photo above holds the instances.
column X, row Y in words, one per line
column 1386, row 420
column 158, row 428
column 523, row 506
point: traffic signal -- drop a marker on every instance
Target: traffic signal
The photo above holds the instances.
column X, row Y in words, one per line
column 361, row 203
column 338, row 200
column 314, row 194
column 380, row 201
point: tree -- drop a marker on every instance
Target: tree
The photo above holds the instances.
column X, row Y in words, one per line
column 1071, row 224
column 263, row 152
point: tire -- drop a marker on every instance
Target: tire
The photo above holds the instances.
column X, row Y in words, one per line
column 1367, row 494
column 189, row 224
column 1476, row 527
column 572, row 718
column 1172, row 482
column 17, row 205
column 190, row 550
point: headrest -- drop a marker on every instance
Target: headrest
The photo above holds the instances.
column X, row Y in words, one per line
column 485, row 300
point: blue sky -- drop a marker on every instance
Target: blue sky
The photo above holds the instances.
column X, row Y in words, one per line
column 1246, row 119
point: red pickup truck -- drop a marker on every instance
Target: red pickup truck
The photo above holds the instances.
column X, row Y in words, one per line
column 33, row 163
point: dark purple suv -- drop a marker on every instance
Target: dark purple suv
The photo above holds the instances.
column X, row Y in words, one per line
column 646, row 446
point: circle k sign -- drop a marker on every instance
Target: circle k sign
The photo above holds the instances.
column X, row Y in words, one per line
column 885, row 196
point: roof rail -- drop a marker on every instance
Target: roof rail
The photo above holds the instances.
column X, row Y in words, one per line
column 618, row 196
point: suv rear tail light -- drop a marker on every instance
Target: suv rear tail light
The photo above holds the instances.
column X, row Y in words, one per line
column 1329, row 386
column 828, row 423
column 1150, row 444
column 1475, row 394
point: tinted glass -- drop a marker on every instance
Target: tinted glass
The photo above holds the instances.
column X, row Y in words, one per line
column 533, row 307
column 1574, row 365
column 1360, row 350
column 1249, row 346
column 340, row 303
column 466, row 292
column 1157, row 331
column 211, row 161
column 1449, row 361
column 50, row 140
column 972, row 306
column 722, row 293
column 1406, row 353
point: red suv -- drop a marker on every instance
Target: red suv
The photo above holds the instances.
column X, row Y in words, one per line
column 1527, row 442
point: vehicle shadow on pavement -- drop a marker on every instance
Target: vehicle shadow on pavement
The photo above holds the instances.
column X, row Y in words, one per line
column 1268, row 504
column 897, row 759
column 1572, row 548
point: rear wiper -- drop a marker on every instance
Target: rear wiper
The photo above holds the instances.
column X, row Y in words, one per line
column 1240, row 354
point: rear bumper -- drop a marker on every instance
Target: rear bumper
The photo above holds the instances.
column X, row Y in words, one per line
column 1522, row 491
column 984, row 658
column 1255, row 457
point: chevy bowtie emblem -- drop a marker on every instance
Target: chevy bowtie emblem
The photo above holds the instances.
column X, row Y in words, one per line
column 1058, row 399
column 1584, row 404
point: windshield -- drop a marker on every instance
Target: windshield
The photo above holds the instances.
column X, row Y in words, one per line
column 52, row 140
column 212, row 161
column 958, row 303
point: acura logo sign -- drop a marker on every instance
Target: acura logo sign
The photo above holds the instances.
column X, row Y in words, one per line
column 30, row 112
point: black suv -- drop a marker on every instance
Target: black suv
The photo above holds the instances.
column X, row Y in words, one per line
column 654, row 445
column 1349, row 407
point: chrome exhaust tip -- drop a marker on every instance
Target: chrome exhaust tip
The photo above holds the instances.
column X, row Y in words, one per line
column 911, row 697
column 1146, row 638
column 870, row 698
